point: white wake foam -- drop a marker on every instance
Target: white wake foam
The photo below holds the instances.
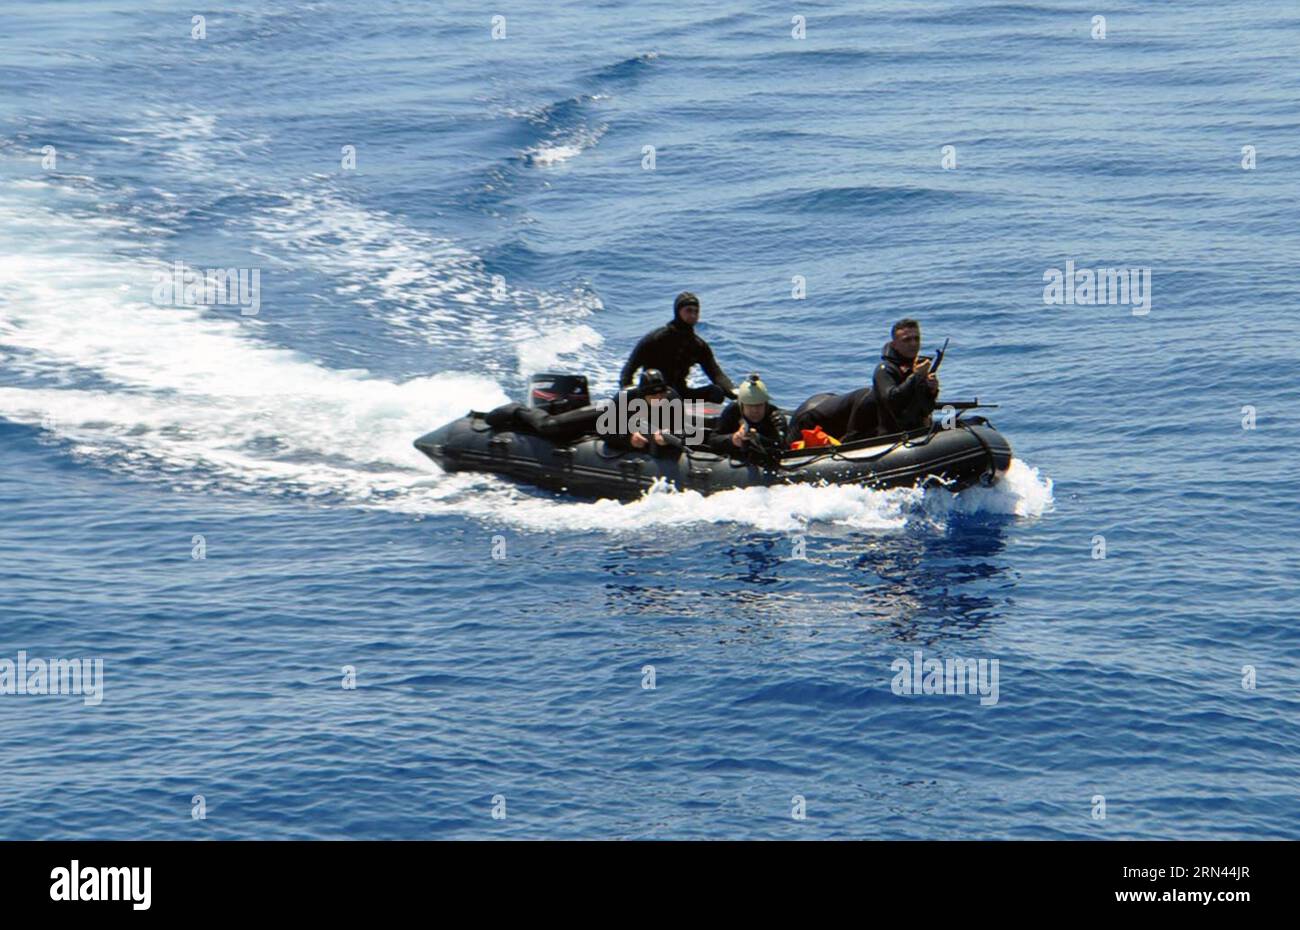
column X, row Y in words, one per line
column 189, row 390
column 431, row 291
column 1021, row 492
column 563, row 146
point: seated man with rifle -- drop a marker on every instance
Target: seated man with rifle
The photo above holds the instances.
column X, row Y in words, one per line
column 750, row 427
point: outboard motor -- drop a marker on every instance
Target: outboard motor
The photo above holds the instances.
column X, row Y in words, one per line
column 557, row 393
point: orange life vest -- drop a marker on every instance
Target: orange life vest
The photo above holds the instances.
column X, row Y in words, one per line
column 813, row 438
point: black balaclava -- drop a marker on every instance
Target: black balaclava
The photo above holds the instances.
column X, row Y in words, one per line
column 683, row 299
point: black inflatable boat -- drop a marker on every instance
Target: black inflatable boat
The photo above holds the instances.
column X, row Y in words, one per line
column 965, row 452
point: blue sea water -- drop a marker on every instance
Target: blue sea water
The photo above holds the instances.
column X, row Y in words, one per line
column 500, row 219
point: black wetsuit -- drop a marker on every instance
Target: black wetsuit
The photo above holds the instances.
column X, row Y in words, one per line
column 623, row 440
column 573, row 424
column 845, row 416
column 771, row 431
column 675, row 349
column 903, row 401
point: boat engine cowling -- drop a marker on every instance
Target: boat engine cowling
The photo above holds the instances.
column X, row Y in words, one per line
column 555, row 392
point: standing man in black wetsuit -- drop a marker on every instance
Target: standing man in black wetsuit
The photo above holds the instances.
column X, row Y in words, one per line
column 675, row 349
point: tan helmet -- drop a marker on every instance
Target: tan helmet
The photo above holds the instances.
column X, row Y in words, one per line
column 753, row 391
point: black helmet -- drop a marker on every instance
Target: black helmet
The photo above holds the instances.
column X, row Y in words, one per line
column 652, row 381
